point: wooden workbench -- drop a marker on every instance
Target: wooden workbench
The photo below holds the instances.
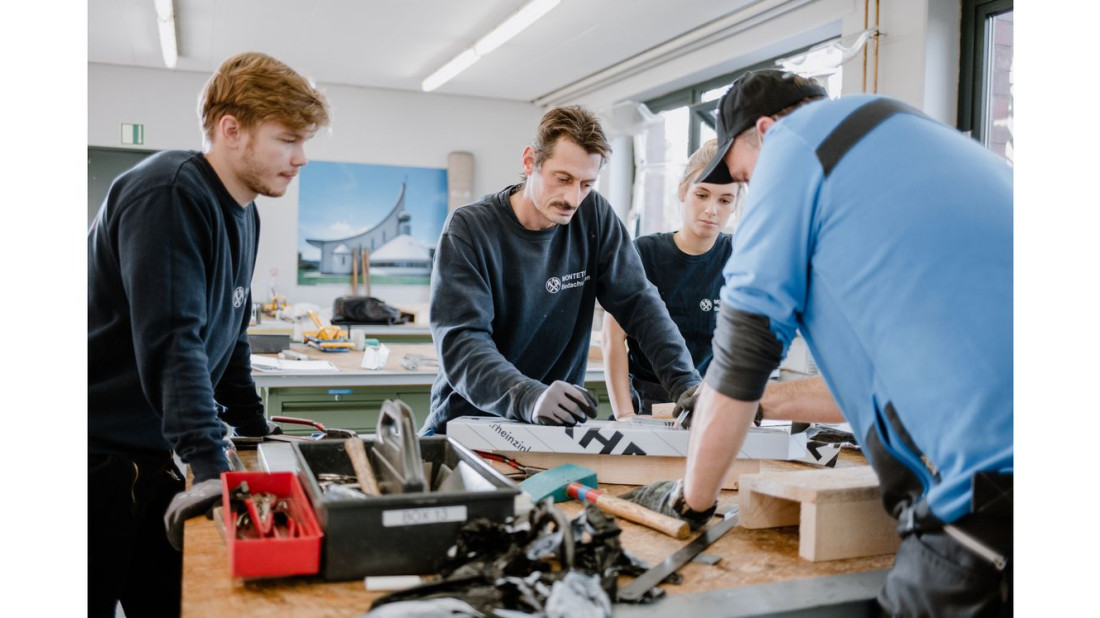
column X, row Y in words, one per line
column 749, row 557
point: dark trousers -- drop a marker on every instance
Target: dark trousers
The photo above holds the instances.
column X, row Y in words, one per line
column 935, row 576
column 644, row 394
column 129, row 558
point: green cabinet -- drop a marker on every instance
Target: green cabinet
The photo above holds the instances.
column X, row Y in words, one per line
column 344, row 407
column 357, row 407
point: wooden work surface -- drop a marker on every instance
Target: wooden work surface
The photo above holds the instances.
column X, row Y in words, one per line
column 748, row 557
column 351, row 361
column 350, row 372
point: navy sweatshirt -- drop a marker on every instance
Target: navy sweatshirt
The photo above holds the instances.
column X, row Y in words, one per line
column 689, row 286
column 511, row 308
column 170, row 261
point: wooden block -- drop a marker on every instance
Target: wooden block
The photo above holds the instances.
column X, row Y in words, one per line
column 759, row 510
column 628, row 469
column 839, row 511
column 663, row 410
column 838, row 530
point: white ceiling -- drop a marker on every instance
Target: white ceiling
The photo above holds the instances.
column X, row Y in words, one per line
column 397, row 43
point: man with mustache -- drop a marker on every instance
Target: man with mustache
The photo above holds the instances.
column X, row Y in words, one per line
column 516, row 279
column 170, row 261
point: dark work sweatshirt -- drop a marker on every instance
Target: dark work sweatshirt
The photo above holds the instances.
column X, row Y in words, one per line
column 689, row 286
column 512, row 308
column 170, row 261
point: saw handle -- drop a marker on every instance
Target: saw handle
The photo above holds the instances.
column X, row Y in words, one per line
column 676, row 528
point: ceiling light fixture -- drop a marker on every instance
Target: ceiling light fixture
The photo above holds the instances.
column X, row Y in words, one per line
column 520, row 20
column 166, row 24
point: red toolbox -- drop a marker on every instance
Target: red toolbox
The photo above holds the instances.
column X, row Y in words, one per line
column 293, row 549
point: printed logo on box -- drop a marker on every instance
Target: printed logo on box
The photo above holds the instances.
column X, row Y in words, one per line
column 586, row 436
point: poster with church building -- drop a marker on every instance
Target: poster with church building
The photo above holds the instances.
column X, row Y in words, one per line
column 388, row 216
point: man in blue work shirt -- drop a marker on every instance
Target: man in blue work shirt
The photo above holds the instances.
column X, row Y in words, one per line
column 886, row 238
column 170, row 261
column 516, row 279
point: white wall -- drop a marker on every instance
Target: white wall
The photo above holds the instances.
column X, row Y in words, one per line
column 918, row 63
column 369, row 126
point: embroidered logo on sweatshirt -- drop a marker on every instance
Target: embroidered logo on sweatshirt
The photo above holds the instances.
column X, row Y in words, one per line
column 238, row 297
column 565, row 282
column 709, row 305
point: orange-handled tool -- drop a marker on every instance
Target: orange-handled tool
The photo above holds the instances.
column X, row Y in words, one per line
column 636, row 513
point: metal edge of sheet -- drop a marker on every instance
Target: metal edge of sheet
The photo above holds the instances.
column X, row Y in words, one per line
column 840, row 596
column 636, row 589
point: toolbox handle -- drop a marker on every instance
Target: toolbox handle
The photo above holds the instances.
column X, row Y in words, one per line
column 398, row 448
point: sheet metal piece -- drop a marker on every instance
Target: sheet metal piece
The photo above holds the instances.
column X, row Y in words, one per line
column 636, row 589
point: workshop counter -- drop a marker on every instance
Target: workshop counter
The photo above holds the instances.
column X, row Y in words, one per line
column 760, row 572
column 350, row 396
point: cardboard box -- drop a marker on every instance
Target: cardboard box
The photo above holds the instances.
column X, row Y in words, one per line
column 636, row 436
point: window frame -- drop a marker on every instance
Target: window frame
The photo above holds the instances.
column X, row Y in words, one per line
column 973, row 62
column 700, row 111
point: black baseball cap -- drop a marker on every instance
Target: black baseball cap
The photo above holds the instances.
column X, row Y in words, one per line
column 754, row 94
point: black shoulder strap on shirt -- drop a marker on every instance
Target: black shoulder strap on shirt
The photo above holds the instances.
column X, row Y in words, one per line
column 857, row 125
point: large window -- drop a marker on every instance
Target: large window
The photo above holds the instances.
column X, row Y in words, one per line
column 685, row 119
column 985, row 74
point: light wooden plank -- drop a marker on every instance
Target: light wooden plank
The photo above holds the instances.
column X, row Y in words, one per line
column 629, row 469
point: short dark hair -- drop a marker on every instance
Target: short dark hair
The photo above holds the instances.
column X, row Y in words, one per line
column 574, row 122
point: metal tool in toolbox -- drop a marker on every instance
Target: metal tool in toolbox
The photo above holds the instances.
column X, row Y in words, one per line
column 637, row 589
column 397, row 450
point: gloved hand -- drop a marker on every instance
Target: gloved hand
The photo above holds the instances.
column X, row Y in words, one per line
column 685, row 405
column 563, row 404
column 196, row 501
column 258, row 429
column 667, row 498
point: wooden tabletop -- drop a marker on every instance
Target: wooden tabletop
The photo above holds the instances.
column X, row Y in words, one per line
column 350, row 372
column 748, row 557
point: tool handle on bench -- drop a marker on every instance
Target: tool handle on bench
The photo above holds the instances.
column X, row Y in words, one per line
column 357, row 453
column 676, row 528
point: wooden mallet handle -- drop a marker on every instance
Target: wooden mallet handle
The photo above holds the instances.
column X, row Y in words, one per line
column 363, row 470
column 636, row 513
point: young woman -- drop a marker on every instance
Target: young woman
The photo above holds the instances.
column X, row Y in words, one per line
column 686, row 267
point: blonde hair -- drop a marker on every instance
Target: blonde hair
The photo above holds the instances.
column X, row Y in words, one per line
column 695, row 165
column 254, row 88
column 577, row 124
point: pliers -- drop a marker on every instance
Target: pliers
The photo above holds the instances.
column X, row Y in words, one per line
column 326, row 433
column 511, row 463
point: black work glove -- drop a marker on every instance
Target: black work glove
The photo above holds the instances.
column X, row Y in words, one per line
column 667, row 498
column 563, row 404
column 257, row 429
column 685, row 405
column 187, row 504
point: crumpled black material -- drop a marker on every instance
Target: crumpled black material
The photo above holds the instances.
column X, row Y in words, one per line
column 544, row 565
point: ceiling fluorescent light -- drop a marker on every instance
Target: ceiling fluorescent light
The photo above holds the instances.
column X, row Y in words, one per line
column 457, row 65
column 166, row 24
column 529, row 14
column 515, row 24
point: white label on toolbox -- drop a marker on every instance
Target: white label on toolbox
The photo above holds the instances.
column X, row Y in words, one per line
column 419, row 517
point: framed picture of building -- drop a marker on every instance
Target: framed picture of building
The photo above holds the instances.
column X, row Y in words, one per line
column 393, row 215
